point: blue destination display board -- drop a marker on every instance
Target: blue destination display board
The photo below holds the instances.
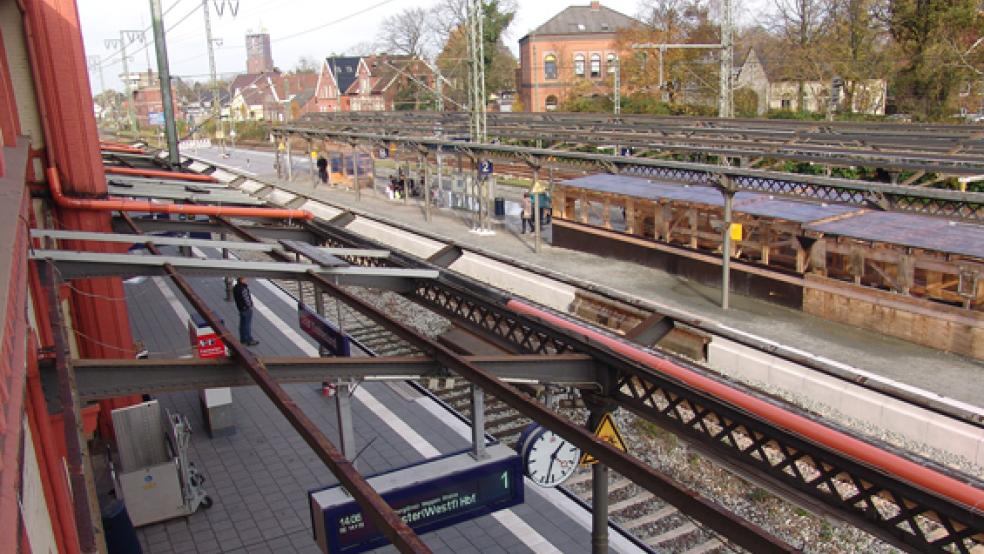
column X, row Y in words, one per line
column 440, row 501
column 322, row 330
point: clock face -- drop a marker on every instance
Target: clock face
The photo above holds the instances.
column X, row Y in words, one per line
column 550, row 459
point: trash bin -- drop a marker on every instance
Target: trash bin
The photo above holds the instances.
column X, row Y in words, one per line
column 121, row 537
column 500, row 207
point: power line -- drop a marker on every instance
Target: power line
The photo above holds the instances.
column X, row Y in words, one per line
column 169, row 29
column 335, row 22
column 117, row 53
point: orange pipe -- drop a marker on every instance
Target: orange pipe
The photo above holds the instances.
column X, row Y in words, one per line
column 161, row 174
column 124, row 149
column 53, row 467
column 116, row 204
column 851, row 447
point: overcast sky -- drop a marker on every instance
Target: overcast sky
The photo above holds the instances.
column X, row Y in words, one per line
column 334, row 27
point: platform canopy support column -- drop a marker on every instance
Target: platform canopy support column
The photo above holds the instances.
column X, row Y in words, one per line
column 727, row 189
column 346, row 426
column 290, row 163
column 478, row 422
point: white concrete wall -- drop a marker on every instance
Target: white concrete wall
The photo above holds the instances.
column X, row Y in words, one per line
column 324, row 211
column 895, row 416
column 34, row 507
column 538, row 288
column 280, row 197
column 251, row 186
column 391, row 236
column 224, row 176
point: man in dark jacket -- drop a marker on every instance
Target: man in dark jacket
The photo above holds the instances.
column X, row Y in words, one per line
column 323, row 169
column 244, row 303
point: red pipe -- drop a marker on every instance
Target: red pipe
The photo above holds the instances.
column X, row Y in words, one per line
column 115, row 204
column 123, row 149
column 161, row 174
column 856, row 449
column 53, row 468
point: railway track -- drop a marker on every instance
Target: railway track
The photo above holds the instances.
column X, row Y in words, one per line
column 654, row 523
column 617, row 317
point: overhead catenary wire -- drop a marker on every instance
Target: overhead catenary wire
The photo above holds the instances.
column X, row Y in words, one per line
column 120, row 51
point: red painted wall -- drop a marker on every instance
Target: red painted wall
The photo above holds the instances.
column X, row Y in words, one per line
column 72, row 146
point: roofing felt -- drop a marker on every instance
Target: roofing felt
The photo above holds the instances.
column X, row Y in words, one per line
column 583, row 19
column 912, row 230
column 345, row 69
column 917, row 231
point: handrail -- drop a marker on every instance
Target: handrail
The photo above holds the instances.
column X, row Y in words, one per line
column 921, row 476
column 139, row 172
column 117, row 204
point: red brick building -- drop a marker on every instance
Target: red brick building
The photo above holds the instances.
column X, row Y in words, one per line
column 366, row 83
column 575, row 45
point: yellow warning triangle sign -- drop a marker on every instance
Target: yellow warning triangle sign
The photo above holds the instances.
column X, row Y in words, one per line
column 608, row 432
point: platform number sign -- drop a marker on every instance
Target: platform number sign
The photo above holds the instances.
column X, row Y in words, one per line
column 485, row 167
column 625, row 151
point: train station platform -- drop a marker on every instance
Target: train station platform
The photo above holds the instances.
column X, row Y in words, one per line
column 259, row 476
column 951, row 376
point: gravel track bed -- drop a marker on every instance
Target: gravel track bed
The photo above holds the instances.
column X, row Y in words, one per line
column 662, row 450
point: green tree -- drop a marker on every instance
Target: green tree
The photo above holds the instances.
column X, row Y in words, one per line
column 934, row 38
column 500, row 65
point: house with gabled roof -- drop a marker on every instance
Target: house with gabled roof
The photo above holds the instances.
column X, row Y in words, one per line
column 336, row 76
column 575, row 46
column 365, row 83
column 777, row 87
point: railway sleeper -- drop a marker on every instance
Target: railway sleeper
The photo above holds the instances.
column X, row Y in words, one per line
column 650, row 518
column 634, row 500
column 670, row 535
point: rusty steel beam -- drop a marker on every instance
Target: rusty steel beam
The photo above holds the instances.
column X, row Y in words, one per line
column 375, row 508
column 737, row 529
column 71, row 416
column 741, row 531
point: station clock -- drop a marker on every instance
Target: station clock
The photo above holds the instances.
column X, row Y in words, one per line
column 548, row 459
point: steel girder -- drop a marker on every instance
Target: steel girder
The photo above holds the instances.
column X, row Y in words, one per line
column 967, row 206
column 814, row 474
column 951, row 150
column 97, row 379
column 882, row 504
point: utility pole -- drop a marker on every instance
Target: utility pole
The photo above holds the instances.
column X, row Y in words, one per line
column 725, row 47
column 96, row 62
column 164, row 73
column 216, row 104
column 127, row 37
column 618, row 87
column 726, row 107
column 477, row 55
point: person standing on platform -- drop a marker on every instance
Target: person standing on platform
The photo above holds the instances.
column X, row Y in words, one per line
column 244, row 303
column 527, row 214
column 323, row 169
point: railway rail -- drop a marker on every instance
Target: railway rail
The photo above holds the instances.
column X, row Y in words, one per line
column 937, row 202
column 943, row 149
column 906, row 500
column 824, row 480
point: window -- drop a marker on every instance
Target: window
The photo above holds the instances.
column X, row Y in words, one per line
column 551, row 103
column 595, row 66
column 610, row 62
column 786, row 104
column 550, row 67
column 579, row 65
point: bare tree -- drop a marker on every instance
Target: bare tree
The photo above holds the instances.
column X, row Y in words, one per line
column 801, row 24
column 306, row 64
column 406, row 33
